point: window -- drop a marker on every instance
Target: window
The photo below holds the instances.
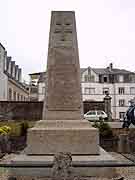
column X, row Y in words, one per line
column 91, row 113
column 121, row 78
column 10, row 94
column 14, row 96
column 43, row 90
column 86, row 90
column 132, row 90
column 58, row 23
column 18, row 97
column 105, row 90
column 121, row 90
column 21, row 97
column 121, row 102
column 89, row 78
column 86, row 79
column 67, row 23
column 121, row 115
column 132, row 78
column 89, row 90
column 92, row 78
column 105, row 79
column 100, row 113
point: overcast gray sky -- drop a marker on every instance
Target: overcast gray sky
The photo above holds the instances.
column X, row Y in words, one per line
column 105, row 29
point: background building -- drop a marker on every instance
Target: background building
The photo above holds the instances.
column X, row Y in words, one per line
column 119, row 83
column 96, row 82
column 11, row 86
column 33, row 86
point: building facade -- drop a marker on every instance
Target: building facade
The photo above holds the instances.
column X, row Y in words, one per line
column 33, row 86
column 97, row 82
column 11, row 86
column 119, row 83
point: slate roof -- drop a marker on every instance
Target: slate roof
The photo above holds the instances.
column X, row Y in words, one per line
column 2, row 46
column 99, row 71
column 83, row 69
column 108, row 71
column 43, row 75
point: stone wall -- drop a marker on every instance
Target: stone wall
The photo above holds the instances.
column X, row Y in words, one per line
column 118, row 142
column 28, row 110
column 93, row 105
column 15, row 110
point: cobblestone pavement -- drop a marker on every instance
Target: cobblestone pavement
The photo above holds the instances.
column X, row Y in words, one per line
column 127, row 172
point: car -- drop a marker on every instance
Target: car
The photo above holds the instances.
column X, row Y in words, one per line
column 95, row 115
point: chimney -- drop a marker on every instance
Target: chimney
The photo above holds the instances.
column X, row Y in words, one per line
column 16, row 72
column 5, row 61
column 13, row 69
column 9, row 65
column 19, row 74
column 110, row 66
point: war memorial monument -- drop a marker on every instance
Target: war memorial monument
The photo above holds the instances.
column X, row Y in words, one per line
column 63, row 128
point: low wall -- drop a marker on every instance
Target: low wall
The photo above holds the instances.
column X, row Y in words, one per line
column 16, row 110
column 117, row 143
column 30, row 110
column 93, row 105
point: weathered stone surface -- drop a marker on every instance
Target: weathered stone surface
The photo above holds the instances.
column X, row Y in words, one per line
column 82, row 171
column 63, row 102
column 62, row 166
column 50, row 137
column 63, row 89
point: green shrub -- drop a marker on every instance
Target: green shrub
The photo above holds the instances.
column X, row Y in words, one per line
column 104, row 129
column 16, row 126
column 24, row 127
column 4, row 130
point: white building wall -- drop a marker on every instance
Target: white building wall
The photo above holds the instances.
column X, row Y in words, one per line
column 114, row 93
column 99, row 96
column 127, row 96
column 3, row 77
column 41, row 91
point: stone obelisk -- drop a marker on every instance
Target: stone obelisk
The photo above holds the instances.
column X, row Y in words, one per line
column 62, row 129
column 63, row 93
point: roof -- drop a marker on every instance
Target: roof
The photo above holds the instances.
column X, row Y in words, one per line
column 36, row 73
column 9, row 58
column 108, row 71
column 83, row 69
column 2, row 46
column 42, row 77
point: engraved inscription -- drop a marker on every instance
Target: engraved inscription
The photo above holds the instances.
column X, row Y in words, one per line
column 64, row 89
column 59, row 124
column 62, row 35
column 59, row 56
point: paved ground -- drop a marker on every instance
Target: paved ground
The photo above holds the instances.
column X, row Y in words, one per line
column 127, row 172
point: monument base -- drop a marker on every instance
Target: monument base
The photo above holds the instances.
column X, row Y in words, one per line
column 52, row 136
column 80, row 165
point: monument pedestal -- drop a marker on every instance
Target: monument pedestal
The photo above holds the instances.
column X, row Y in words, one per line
column 81, row 165
column 50, row 137
column 53, row 136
